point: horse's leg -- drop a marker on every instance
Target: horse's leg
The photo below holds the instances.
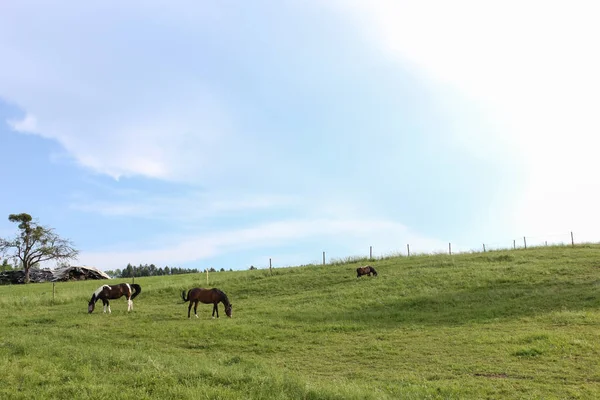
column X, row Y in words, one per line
column 129, row 304
column 195, row 308
column 189, row 308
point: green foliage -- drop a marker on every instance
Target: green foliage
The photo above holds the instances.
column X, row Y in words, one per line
column 6, row 266
column 510, row 324
column 150, row 270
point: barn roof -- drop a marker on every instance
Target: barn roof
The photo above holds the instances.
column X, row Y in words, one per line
column 77, row 273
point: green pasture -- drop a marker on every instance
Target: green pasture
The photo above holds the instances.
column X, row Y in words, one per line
column 520, row 324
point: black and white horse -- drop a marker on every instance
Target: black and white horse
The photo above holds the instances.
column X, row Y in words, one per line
column 111, row 292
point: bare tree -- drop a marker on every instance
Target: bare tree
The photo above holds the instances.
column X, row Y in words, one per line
column 36, row 244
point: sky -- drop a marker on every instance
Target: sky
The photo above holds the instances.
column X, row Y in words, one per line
column 199, row 134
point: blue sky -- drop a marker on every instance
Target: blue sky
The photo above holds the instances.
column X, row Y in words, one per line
column 196, row 134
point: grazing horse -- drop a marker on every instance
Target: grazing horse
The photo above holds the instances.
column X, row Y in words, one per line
column 110, row 292
column 207, row 296
column 366, row 270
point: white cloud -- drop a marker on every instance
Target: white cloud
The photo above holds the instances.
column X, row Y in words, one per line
column 531, row 69
column 26, row 125
column 115, row 99
column 190, row 206
column 389, row 236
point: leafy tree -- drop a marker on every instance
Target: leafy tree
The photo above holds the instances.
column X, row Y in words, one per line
column 35, row 244
column 6, row 266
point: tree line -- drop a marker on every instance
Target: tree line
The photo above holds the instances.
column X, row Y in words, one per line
column 151, row 270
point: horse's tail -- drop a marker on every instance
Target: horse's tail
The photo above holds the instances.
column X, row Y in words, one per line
column 137, row 288
column 184, row 298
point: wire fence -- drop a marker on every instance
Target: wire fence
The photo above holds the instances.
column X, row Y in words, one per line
column 523, row 242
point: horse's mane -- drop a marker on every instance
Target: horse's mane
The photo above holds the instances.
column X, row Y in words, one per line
column 96, row 294
column 225, row 299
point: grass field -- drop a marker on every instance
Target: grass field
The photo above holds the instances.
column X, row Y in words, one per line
column 505, row 324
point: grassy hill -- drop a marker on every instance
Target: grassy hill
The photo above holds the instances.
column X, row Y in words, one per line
column 503, row 324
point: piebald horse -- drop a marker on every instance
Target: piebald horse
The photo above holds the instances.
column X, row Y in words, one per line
column 111, row 292
column 366, row 270
column 207, row 296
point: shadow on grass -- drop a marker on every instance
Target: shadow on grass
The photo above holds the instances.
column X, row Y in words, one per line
column 476, row 305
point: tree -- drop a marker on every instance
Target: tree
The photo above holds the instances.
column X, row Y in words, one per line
column 6, row 266
column 35, row 244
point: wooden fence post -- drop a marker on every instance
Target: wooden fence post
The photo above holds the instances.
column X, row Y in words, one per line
column 323, row 258
column 484, row 247
column 525, row 242
column 408, row 249
column 370, row 252
column 206, row 276
column 572, row 241
column 270, row 267
column 450, row 248
column 514, row 244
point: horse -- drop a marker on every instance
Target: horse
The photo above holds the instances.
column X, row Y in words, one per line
column 212, row 296
column 110, row 292
column 366, row 270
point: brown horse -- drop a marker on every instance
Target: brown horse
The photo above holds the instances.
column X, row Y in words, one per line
column 366, row 270
column 108, row 292
column 207, row 296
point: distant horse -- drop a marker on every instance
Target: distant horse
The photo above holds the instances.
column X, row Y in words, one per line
column 366, row 270
column 108, row 292
column 207, row 296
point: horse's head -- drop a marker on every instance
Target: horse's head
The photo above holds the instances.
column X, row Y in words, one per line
column 92, row 303
column 228, row 310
